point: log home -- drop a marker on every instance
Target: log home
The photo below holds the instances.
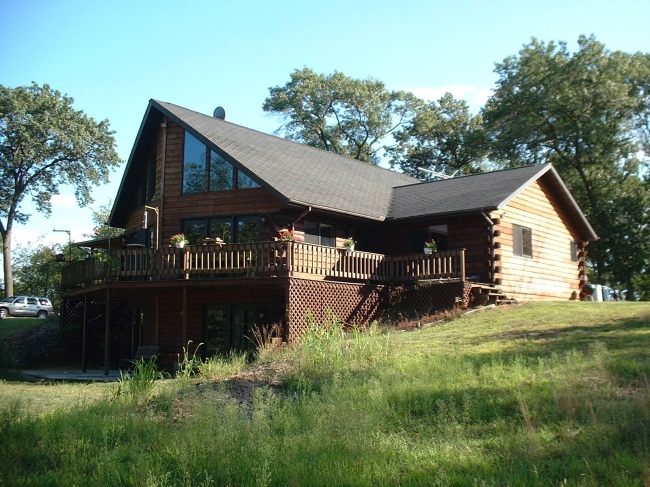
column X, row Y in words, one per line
column 266, row 220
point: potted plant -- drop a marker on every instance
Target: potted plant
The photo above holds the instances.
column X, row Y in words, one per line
column 348, row 243
column 178, row 240
column 430, row 247
column 288, row 236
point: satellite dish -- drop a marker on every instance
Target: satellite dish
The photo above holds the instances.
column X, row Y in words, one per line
column 219, row 112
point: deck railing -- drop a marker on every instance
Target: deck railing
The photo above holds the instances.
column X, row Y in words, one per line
column 261, row 259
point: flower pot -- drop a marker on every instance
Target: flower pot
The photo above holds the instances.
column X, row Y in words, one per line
column 179, row 245
column 428, row 251
column 349, row 249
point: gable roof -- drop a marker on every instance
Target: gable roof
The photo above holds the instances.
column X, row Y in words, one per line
column 295, row 173
column 483, row 192
column 303, row 175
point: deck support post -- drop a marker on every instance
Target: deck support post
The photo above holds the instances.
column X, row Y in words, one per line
column 184, row 315
column 83, row 335
column 107, row 344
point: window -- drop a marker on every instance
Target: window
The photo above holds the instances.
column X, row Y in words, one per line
column 320, row 234
column 201, row 174
column 194, row 154
column 221, row 173
column 574, row 251
column 228, row 327
column 522, row 241
column 244, row 182
column 147, row 186
column 238, row 229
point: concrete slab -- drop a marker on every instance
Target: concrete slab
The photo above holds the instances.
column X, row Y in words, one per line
column 95, row 375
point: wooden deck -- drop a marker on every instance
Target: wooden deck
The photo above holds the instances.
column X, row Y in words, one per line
column 261, row 259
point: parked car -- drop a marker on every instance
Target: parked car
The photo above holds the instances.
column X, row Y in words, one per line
column 25, row 306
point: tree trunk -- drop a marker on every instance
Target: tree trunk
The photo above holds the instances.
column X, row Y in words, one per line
column 631, row 292
column 6, row 256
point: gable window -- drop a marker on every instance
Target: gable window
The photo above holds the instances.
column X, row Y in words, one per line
column 194, row 154
column 320, row 234
column 204, row 170
column 221, row 173
column 522, row 241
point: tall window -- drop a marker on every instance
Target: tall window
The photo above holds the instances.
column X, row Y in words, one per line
column 522, row 240
column 221, row 173
column 205, row 170
column 320, row 233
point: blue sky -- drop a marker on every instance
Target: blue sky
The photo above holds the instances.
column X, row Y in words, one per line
column 112, row 57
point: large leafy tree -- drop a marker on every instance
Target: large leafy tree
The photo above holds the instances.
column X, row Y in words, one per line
column 443, row 137
column 101, row 229
column 588, row 113
column 45, row 142
column 337, row 113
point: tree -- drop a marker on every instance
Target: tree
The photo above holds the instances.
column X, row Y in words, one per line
column 101, row 229
column 337, row 113
column 441, row 137
column 37, row 272
column 45, row 142
column 588, row 114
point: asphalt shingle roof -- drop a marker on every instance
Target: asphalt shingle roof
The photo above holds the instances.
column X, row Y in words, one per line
column 485, row 191
column 297, row 172
column 304, row 175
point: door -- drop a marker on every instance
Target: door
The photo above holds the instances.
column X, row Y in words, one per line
column 229, row 327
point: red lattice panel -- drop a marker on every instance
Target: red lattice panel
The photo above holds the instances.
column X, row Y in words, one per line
column 353, row 304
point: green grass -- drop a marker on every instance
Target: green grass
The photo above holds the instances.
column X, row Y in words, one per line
column 11, row 325
column 539, row 394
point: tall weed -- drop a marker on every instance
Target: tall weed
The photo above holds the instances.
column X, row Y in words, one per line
column 138, row 383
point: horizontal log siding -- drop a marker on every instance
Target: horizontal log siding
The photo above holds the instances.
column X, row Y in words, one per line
column 472, row 234
column 549, row 274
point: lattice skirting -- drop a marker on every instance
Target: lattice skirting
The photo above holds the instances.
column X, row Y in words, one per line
column 427, row 298
column 354, row 304
column 357, row 304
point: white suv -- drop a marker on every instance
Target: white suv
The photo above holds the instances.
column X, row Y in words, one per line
column 25, row 306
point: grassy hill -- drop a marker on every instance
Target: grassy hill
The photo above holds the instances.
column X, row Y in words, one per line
column 538, row 394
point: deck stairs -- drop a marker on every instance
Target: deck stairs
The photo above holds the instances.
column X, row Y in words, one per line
column 484, row 294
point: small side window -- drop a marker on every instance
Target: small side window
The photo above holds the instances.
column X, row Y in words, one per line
column 522, row 241
column 574, row 251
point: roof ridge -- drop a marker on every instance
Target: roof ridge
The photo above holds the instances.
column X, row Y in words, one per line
column 456, row 178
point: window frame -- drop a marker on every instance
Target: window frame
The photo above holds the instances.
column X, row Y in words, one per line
column 319, row 234
column 522, row 237
column 233, row 220
column 207, row 168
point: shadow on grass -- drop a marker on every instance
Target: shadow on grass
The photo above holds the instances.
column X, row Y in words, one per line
column 626, row 340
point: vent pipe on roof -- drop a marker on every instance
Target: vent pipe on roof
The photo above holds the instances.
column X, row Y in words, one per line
column 219, row 112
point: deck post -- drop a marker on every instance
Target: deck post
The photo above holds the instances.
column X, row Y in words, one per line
column 462, row 265
column 107, row 344
column 289, row 260
column 83, row 336
column 184, row 315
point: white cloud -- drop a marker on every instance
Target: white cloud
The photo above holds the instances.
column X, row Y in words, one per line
column 64, row 201
column 473, row 95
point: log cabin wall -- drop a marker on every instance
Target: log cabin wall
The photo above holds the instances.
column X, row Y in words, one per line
column 537, row 209
column 166, row 306
column 469, row 232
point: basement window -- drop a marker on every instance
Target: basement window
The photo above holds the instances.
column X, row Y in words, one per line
column 522, row 241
